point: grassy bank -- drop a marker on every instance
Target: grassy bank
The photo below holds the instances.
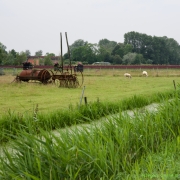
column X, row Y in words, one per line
column 145, row 146
column 11, row 123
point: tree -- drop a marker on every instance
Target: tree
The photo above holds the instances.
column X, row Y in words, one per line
column 20, row 58
column 160, row 51
column 13, row 52
column 116, row 59
column 104, row 55
column 118, row 50
column 122, row 49
column 28, row 53
column 85, row 53
column 66, row 56
column 47, row 59
column 38, row 53
column 127, row 48
column 138, row 59
column 41, row 61
column 11, row 58
column 107, row 45
column 129, row 58
column 173, row 50
column 50, row 54
column 157, row 49
column 77, row 44
column 3, row 53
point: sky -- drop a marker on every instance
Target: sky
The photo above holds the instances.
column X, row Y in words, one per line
column 36, row 24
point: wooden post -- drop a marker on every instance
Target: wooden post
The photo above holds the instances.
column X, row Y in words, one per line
column 85, row 100
column 174, row 84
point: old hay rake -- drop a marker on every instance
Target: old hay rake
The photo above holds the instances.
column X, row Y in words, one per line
column 68, row 77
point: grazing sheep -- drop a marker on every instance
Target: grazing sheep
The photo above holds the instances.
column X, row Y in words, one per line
column 144, row 73
column 127, row 75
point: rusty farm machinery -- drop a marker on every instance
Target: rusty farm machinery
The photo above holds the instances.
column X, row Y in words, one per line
column 69, row 76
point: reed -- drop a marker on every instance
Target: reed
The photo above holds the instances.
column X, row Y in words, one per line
column 13, row 122
column 122, row 147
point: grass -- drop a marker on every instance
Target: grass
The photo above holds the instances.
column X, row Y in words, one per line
column 145, row 146
column 106, row 85
column 11, row 123
column 121, row 148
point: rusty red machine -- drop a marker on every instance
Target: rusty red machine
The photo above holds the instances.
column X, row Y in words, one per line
column 69, row 76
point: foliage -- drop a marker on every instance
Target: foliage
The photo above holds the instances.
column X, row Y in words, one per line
column 138, row 59
column 118, row 50
column 149, row 49
column 118, row 147
column 50, row 54
column 107, row 45
column 116, row 59
column 103, row 55
column 39, row 53
column 78, row 43
column 28, row 53
column 85, row 53
column 15, row 58
column 129, row 58
column 161, row 50
column 20, row 58
column 3, row 53
column 47, row 59
column 66, row 56
column 14, row 122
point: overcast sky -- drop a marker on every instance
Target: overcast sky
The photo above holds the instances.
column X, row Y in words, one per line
column 36, row 24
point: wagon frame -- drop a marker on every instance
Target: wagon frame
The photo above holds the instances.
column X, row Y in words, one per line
column 59, row 77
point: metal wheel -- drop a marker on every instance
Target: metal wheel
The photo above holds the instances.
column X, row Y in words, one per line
column 57, row 82
column 17, row 80
column 63, row 83
column 75, row 81
column 80, row 79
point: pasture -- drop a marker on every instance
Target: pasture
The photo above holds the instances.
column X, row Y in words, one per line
column 102, row 85
column 123, row 147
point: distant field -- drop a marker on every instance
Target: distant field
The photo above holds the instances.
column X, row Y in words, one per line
column 105, row 85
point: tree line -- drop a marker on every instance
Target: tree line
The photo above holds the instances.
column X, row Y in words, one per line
column 137, row 48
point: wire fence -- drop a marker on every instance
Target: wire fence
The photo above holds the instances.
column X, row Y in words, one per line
column 99, row 71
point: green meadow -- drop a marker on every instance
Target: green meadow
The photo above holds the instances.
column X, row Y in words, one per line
column 102, row 85
column 52, row 137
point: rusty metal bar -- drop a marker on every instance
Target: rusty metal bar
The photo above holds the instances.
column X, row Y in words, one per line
column 61, row 51
column 68, row 52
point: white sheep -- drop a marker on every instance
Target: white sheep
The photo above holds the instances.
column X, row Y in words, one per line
column 144, row 73
column 127, row 75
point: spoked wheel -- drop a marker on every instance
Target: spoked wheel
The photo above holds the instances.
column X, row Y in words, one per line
column 63, row 83
column 75, row 82
column 70, row 83
column 16, row 80
column 79, row 79
column 57, row 82
column 33, row 81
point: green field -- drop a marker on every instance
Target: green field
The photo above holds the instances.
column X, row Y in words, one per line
column 102, row 85
column 118, row 146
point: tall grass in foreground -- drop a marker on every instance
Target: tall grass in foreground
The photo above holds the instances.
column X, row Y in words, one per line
column 119, row 148
column 12, row 123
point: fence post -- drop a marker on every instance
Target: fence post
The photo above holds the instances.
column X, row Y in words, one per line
column 81, row 96
column 85, row 100
column 174, row 84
